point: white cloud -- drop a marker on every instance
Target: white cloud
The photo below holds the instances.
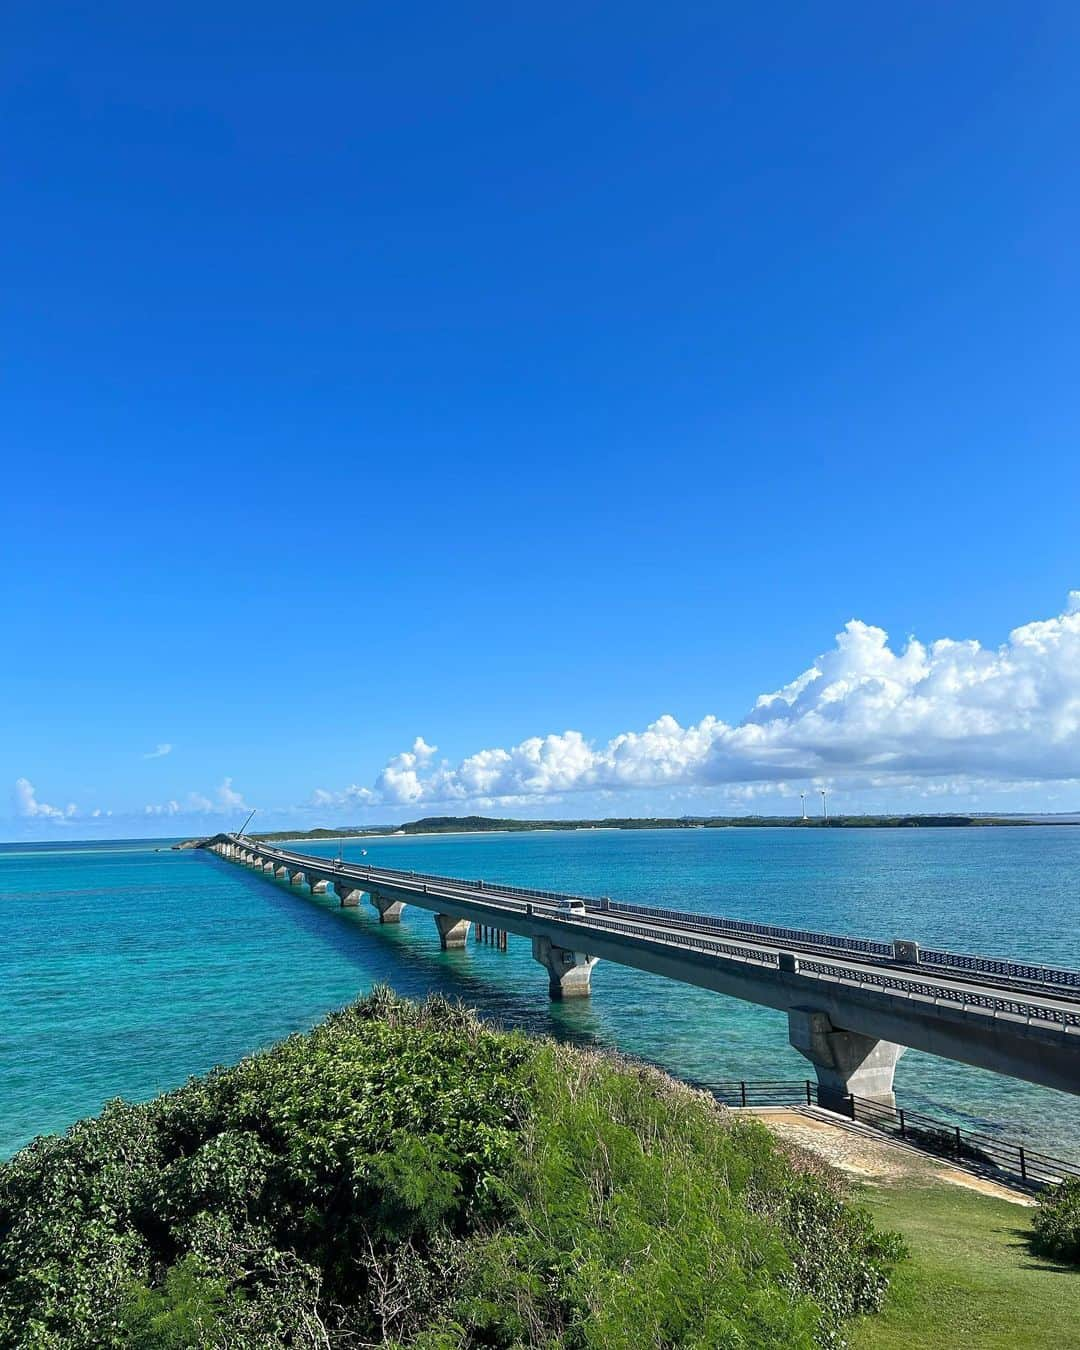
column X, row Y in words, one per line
column 354, row 795
column 403, row 778
column 170, row 808
column 28, row 806
column 197, row 803
column 159, row 751
column 229, row 799
column 862, row 715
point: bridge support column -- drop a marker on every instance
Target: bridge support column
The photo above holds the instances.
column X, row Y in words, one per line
column 347, row 894
column 390, row 910
column 569, row 973
column 268, row 866
column 453, row 932
column 281, row 871
column 297, row 878
column 319, row 886
column 846, row 1062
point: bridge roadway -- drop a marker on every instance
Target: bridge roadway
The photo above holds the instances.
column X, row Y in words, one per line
column 853, row 1005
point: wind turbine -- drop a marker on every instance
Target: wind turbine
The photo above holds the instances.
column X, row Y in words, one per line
column 824, row 806
column 802, row 798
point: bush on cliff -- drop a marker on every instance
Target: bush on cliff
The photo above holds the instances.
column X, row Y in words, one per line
column 403, row 1176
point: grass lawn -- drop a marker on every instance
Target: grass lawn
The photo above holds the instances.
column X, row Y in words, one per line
column 972, row 1282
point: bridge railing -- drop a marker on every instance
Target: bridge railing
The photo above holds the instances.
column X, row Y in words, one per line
column 796, row 936
column 690, row 941
column 947, row 993
column 991, row 965
column 529, row 892
column 926, row 988
column 976, row 1148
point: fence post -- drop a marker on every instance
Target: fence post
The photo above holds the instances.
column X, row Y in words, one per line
column 959, row 1145
column 809, row 1102
column 1023, row 1165
column 851, row 1104
column 742, row 1090
column 903, row 1130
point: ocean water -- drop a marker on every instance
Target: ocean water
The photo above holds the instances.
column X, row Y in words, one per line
column 126, row 967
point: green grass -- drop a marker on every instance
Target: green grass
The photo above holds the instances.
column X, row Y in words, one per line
column 972, row 1280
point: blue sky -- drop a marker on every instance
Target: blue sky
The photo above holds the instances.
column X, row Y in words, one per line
column 485, row 375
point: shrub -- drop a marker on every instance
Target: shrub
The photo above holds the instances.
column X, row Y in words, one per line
column 1056, row 1225
column 403, row 1176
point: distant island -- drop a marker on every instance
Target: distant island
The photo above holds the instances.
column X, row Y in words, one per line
column 493, row 824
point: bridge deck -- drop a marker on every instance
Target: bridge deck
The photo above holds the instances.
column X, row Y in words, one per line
column 1059, row 1000
column 1011, row 1017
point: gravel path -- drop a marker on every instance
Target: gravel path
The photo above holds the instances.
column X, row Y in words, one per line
column 872, row 1158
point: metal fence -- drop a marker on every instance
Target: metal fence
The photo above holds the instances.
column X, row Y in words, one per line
column 974, row 1148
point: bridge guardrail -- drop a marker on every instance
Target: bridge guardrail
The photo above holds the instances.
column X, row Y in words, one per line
column 866, row 946
column 947, row 993
column 992, row 965
column 941, row 993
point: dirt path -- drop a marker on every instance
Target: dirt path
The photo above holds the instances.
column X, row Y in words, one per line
column 870, row 1157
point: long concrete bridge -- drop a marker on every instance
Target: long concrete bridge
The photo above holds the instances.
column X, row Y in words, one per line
column 853, row 1004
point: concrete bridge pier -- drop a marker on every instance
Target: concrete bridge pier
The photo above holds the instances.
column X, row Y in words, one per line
column 268, row 866
column 281, row 871
column 348, row 895
column 390, row 910
column 453, row 932
column 569, row 973
column 319, row 886
column 296, row 878
column 846, row 1062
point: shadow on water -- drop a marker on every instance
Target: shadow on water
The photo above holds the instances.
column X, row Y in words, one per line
column 400, row 956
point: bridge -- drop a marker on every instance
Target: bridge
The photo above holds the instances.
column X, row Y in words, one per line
column 853, row 1004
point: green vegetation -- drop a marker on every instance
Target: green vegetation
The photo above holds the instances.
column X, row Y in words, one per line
column 403, row 1176
column 492, row 824
column 972, row 1279
column 1057, row 1223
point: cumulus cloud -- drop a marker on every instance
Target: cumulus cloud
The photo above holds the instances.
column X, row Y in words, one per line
column 197, row 803
column 229, row 799
column 170, row 808
column 865, row 713
column 354, row 795
column 159, row 751
column 29, row 808
column 406, row 777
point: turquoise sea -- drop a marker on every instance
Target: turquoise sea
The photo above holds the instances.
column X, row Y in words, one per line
column 124, row 969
